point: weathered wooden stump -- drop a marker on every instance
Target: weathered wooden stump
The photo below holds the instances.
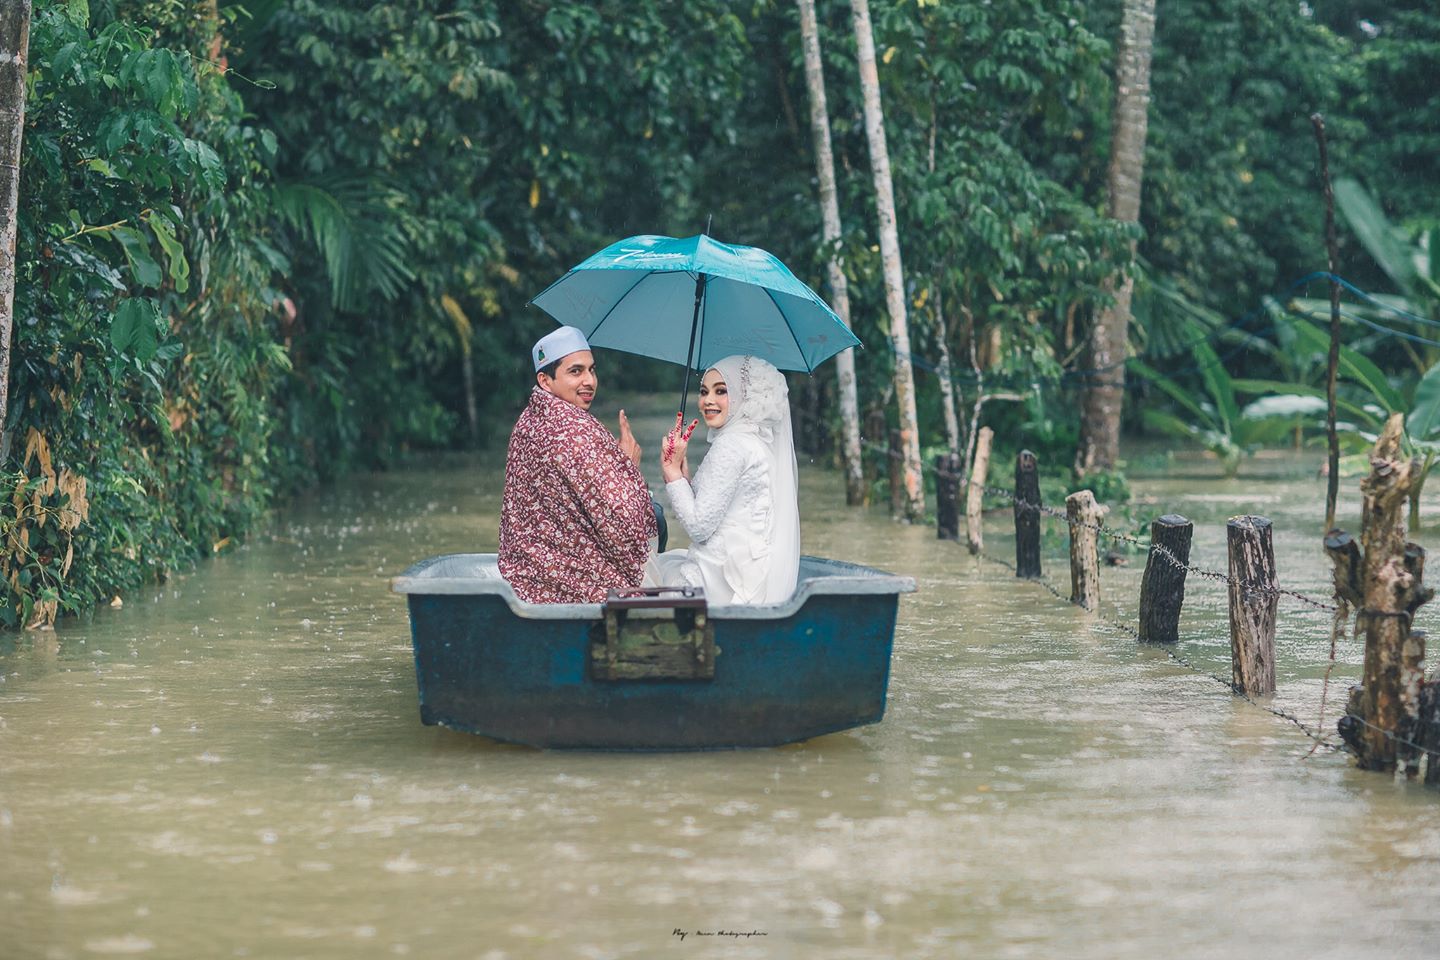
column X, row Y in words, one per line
column 1427, row 730
column 1084, row 515
column 975, row 490
column 947, row 496
column 1385, row 710
column 1253, row 603
column 1344, row 553
column 1027, row 515
column 1162, row 587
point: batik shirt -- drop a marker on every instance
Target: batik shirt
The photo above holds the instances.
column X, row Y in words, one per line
column 576, row 519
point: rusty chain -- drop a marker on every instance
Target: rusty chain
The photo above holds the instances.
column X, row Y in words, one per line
column 1320, row 740
column 1164, row 552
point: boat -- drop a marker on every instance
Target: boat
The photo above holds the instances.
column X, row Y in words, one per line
column 654, row 669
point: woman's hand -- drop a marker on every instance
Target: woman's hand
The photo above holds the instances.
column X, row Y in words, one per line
column 673, row 465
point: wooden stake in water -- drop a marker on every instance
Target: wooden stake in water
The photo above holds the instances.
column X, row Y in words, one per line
column 1085, row 516
column 1027, row 515
column 1162, row 588
column 1253, row 602
column 1392, row 588
column 947, row 496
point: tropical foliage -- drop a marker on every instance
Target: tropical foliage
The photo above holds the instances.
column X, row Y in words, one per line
column 261, row 243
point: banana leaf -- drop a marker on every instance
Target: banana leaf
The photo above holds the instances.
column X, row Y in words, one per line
column 1356, row 366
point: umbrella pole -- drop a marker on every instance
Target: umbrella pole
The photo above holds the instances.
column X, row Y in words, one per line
column 690, row 352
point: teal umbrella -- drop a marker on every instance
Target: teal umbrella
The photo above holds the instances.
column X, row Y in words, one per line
column 693, row 301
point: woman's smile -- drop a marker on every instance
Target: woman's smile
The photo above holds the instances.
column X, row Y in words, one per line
column 714, row 399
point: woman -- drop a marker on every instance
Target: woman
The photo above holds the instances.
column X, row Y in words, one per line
column 741, row 511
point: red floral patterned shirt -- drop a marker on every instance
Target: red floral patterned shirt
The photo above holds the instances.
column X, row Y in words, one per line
column 576, row 519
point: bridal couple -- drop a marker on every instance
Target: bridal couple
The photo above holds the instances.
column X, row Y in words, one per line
column 577, row 518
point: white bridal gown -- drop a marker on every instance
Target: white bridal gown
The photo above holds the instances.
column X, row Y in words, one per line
column 741, row 509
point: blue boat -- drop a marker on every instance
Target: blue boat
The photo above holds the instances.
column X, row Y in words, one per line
column 652, row 671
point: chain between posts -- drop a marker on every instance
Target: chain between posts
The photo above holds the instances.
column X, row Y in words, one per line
column 1164, row 552
column 1169, row 557
column 1320, row 740
column 1108, row 532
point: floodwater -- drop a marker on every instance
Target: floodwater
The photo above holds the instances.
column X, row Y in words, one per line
column 232, row 765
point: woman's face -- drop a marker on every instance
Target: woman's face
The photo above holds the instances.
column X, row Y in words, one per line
column 714, row 399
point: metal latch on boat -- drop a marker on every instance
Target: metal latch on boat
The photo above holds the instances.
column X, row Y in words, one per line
column 655, row 633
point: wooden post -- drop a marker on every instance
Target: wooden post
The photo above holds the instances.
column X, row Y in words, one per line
column 975, row 490
column 947, row 496
column 1388, row 706
column 1253, row 602
column 1027, row 515
column 1084, row 515
column 897, row 474
column 1344, row 553
column 1162, row 588
column 1427, row 731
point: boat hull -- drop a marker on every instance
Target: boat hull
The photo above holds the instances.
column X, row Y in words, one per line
column 488, row 664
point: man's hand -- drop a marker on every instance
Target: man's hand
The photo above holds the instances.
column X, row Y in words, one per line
column 628, row 443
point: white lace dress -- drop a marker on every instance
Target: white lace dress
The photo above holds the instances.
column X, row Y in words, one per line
column 727, row 512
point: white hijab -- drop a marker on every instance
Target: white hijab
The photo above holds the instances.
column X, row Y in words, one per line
column 760, row 404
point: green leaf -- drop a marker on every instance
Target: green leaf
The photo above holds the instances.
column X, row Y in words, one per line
column 1287, row 406
column 65, row 58
column 146, row 271
column 78, row 12
column 134, row 330
column 169, row 350
column 1217, row 383
column 1380, row 238
column 1176, row 392
column 1281, row 386
column 179, row 266
column 203, row 156
column 1353, row 364
column 1424, row 417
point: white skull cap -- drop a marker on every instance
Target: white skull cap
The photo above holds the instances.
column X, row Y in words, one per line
column 557, row 344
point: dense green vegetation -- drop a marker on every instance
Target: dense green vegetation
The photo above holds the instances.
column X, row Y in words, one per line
column 262, row 243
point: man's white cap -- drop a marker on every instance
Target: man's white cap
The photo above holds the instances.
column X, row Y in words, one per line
column 556, row 344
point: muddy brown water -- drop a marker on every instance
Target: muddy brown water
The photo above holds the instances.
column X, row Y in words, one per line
column 232, row 765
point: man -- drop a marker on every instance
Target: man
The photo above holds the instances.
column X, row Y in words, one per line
column 576, row 518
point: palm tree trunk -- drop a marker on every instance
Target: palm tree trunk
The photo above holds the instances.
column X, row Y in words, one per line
column 14, row 49
column 839, row 287
column 1104, row 392
column 914, row 506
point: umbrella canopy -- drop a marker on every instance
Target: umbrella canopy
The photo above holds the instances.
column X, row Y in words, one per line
column 696, row 300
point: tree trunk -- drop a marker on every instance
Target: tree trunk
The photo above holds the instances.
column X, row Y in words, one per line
column 839, row 287
column 943, row 374
column 890, row 257
column 14, row 49
column 975, row 490
column 1104, row 392
column 1392, row 588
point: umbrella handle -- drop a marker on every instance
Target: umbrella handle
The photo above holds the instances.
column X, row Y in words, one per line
column 690, row 351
